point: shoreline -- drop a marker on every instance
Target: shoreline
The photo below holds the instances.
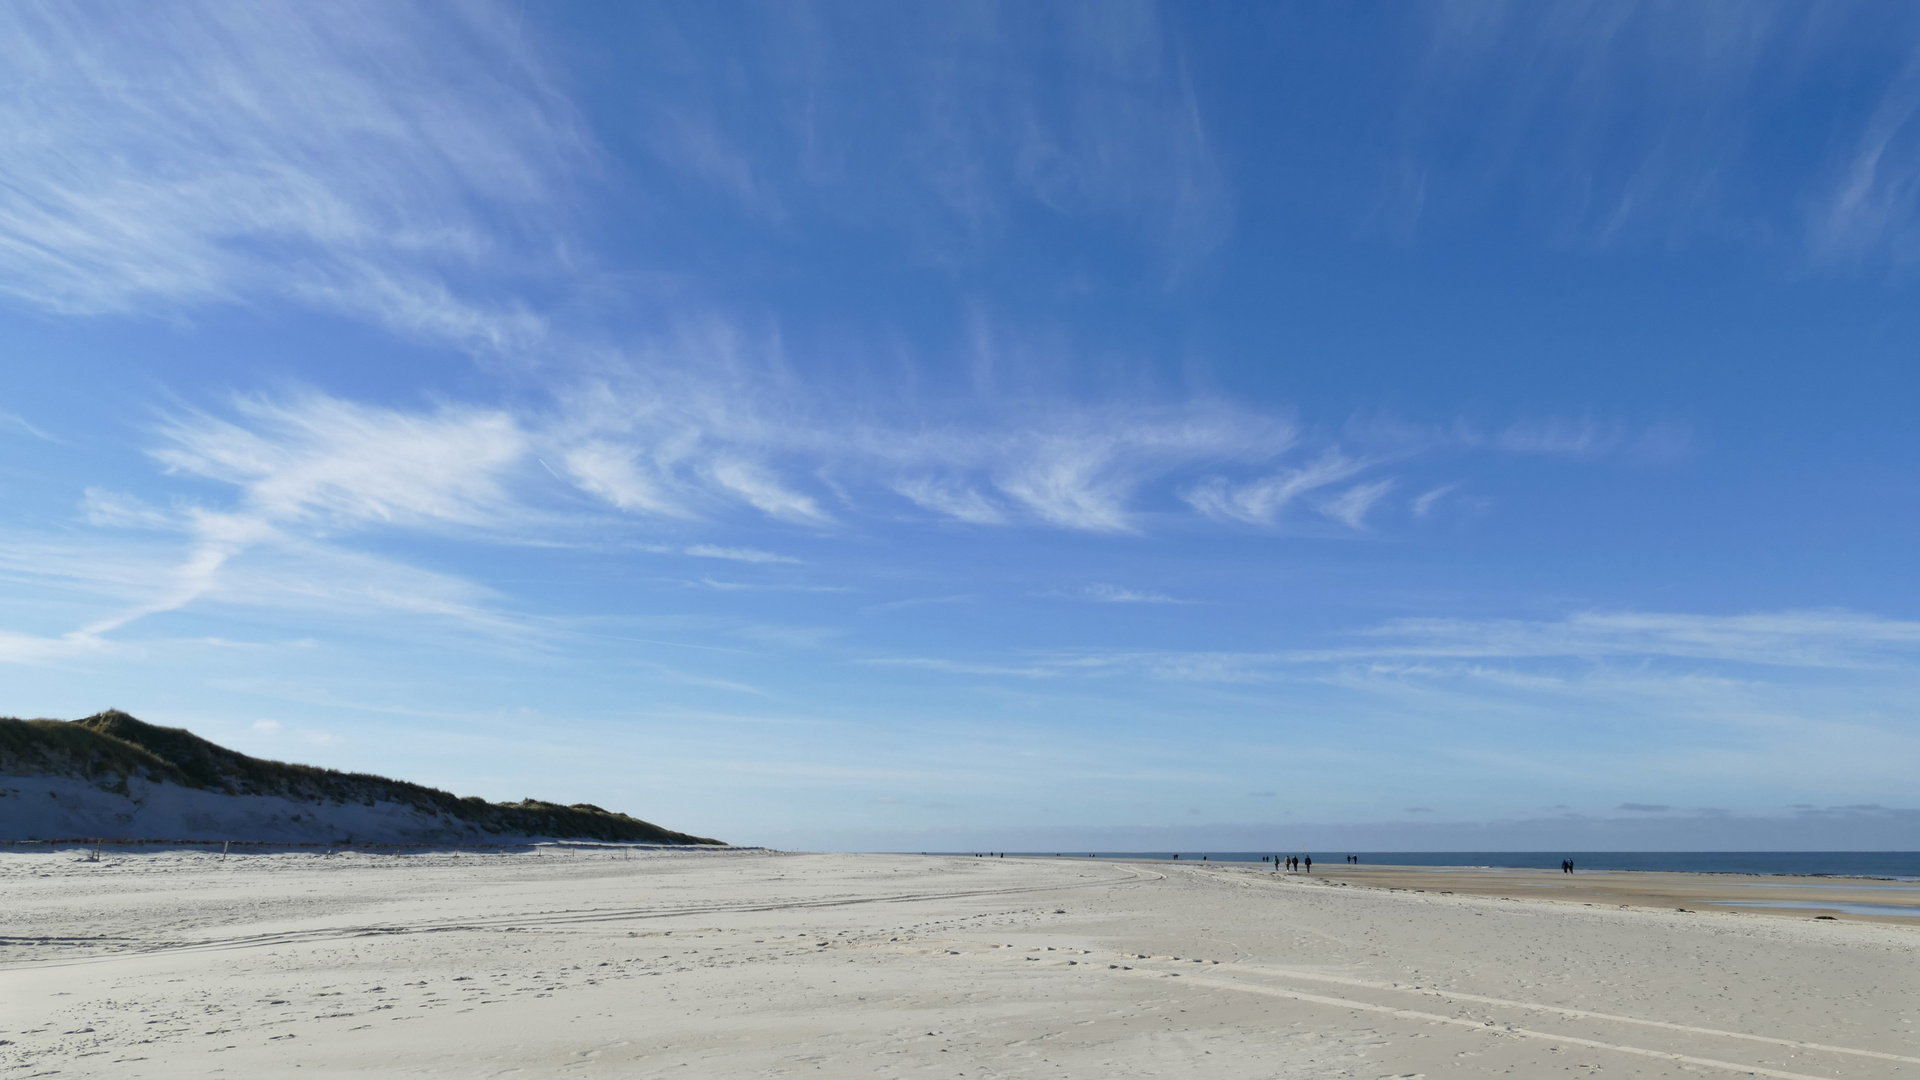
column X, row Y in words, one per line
column 1890, row 901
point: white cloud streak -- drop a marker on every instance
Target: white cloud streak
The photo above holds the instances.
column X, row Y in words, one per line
column 1113, row 139
column 1262, row 501
column 677, row 449
column 1836, row 641
column 1423, row 504
column 305, row 468
column 1350, row 507
column 323, row 460
column 686, row 452
column 1115, row 594
column 952, row 499
column 706, row 421
column 1871, row 206
column 9, row 420
column 745, row 555
column 1563, row 132
column 1810, row 639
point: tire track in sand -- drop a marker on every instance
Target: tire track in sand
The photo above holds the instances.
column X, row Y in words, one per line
column 1489, row 1027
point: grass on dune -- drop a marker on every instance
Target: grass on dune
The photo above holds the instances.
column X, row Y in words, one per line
column 109, row 748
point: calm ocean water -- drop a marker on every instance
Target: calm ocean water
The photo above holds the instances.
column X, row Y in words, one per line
column 1904, row 865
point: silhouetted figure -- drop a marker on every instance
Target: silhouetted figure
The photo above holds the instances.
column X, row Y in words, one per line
column 1309, row 864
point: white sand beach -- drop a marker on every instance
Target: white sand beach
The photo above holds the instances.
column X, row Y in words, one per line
column 605, row 962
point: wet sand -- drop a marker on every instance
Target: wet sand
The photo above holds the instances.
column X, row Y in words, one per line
column 596, row 962
column 1851, row 899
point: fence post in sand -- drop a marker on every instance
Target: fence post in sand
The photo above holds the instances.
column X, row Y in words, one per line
column 223, row 850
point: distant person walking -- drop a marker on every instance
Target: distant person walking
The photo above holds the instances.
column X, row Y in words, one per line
column 1309, row 864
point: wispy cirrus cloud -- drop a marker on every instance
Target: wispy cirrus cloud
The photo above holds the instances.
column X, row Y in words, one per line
column 954, row 499
column 705, row 434
column 1424, row 503
column 408, row 168
column 1492, row 650
column 1810, row 639
column 324, row 460
column 9, row 420
column 662, row 449
column 385, row 161
column 1110, row 140
column 737, row 554
column 235, row 562
column 1102, row 593
column 1556, row 436
column 1569, row 132
column 303, row 470
column 1263, row 500
column 714, row 421
column 1869, row 208
column 1351, row 506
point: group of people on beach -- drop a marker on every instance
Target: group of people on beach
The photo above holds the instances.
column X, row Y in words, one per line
column 1566, row 866
column 1294, row 862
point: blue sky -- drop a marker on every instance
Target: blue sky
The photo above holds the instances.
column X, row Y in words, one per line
column 919, row 426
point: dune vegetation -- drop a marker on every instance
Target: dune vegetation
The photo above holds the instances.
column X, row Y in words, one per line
column 111, row 748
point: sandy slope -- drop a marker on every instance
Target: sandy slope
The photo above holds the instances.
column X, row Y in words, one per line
column 58, row 807
column 720, row 964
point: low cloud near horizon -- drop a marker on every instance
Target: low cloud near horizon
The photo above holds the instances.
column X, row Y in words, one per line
column 1831, row 829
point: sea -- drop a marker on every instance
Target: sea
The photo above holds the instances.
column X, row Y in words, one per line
column 1890, row 865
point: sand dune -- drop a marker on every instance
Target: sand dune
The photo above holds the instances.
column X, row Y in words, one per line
column 116, row 777
column 58, row 806
column 585, row 961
